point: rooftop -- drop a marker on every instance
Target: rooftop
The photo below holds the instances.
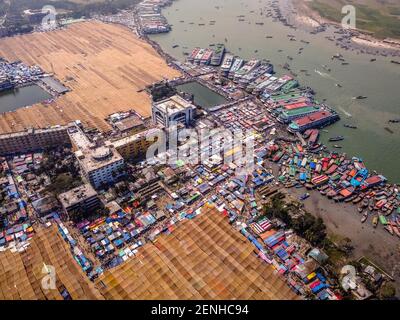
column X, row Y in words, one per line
column 174, row 104
column 76, row 195
column 128, row 123
column 98, row 157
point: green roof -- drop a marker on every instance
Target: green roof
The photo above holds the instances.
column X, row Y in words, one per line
column 299, row 111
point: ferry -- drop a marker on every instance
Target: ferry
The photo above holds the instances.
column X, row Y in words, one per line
column 256, row 73
column 316, row 120
column 199, row 56
column 193, row 55
column 247, row 68
column 206, row 58
column 289, row 115
column 227, row 64
column 237, row 64
column 251, row 88
column 218, row 55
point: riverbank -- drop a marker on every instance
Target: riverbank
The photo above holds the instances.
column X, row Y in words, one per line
column 304, row 17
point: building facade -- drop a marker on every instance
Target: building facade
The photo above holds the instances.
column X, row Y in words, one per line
column 34, row 139
column 173, row 110
column 100, row 163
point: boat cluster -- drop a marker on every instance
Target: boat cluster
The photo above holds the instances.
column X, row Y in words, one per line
column 341, row 179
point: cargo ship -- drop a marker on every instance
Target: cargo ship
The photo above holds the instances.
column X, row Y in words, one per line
column 6, row 85
column 218, row 55
column 319, row 119
column 237, row 64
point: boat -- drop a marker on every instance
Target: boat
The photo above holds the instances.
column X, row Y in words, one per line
column 360, row 98
column 375, row 221
column 394, row 121
column 389, row 130
column 338, row 85
column 395, row 62
column 218, row 55
column 337, row 146
column 389, row 229
column 175, row 46
column 364, row 217
column 338, row 138
column 351, row 126
column 373, row 60
column 6, row 85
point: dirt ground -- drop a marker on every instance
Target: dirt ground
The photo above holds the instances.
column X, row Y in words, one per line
column 177, row 266
column 104, row 65
column 22, row 274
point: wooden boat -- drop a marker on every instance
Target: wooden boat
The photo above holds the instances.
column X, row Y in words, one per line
column 357, row 200
column 389, row 229
column 375, row 221
column 364, row 217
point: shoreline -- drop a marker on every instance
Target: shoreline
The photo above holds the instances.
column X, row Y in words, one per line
column 297, row 14
column 341, row 219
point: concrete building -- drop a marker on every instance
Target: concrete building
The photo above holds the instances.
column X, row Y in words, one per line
column 134, row 146
column 100, row 163
column 130, row 125
column 173, row 110
column 34, row 139
column 80, row 199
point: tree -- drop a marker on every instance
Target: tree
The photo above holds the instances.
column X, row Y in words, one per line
column 388, row 291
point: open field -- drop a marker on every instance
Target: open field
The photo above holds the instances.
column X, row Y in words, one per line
column 21, row 273
column 177, row 266
column 382, row 18
column 104, row 65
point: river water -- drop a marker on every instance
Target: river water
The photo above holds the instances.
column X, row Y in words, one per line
column 379, row 81
column 25, row 96
column 203, row 96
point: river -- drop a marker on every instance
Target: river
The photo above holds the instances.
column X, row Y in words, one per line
column 25, row 96
column 203, row 96
column 379, row 81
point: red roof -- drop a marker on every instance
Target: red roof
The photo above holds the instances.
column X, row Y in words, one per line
column 297, row 105
column 312, row 118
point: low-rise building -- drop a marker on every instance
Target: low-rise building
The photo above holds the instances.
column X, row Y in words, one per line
column 80, row 199
column 130, row 125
